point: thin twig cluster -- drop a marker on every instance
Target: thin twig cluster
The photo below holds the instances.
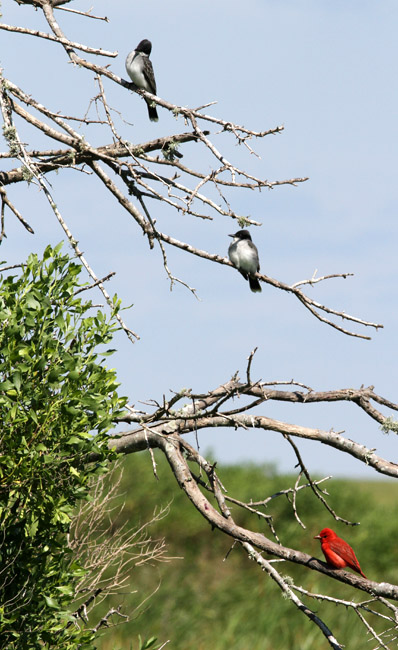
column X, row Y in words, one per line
column 140, row 176
column 107, row 550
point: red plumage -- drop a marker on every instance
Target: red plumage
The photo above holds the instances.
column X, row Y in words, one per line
column 337, row 552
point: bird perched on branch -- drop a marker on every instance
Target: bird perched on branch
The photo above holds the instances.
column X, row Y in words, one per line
column 337, row 552
column 139, row 69
column 244, row 256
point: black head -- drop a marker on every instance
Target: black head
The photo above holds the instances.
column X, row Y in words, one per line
column 144, row 46
column 242, row 234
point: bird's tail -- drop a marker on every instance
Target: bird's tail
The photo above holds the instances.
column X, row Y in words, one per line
column 255, row 286
column 152, row 112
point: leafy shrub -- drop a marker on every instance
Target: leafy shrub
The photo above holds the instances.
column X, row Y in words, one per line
column 57, row 401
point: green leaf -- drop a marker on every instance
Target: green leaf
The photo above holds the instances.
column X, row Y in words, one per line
column 31, row 302
column 6, row 385
column 33, row 528
column 33, row 416
column 107, row 353
column 66, row 589
column 16, row 379
column 73, row 440
column 59, row 321
column 51, row 602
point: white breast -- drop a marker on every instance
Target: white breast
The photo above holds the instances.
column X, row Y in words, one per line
column 134, row 67
column 243, row 256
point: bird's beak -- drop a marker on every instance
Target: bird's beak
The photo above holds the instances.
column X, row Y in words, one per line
column 231, row 235
column 317, row 537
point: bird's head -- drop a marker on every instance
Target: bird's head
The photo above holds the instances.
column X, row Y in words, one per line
column 144, row 46
column 241, row 234
column 325, row 534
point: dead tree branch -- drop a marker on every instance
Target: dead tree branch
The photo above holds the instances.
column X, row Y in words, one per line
column 162, row 178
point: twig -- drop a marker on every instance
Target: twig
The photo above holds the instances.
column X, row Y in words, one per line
column 314, row 279
column 283, row 585
column 87, row 14
column 25, row 159
column 249, row 364
column 62, row 40
column 313, row 484
column 5, row 201
column 95, row 284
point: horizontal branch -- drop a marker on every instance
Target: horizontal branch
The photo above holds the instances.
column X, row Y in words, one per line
column 200, row 402
column 203, row 412
column 62, row 40
column 310, row 304
column 330, row 438
column 56, row 159
column 361, row 397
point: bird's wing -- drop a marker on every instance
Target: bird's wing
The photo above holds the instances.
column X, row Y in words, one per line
column 256, row 251
column 345, row 551
column 149, row 75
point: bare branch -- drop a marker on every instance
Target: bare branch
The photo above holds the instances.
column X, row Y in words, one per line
column 313, row 485
column 170, row 444
column 95, row 284
column 194, row 417
column 63, row 41
column 314, row 279
column 283, row 585
column 86, row 14
column 6, row 202
column 82, row 152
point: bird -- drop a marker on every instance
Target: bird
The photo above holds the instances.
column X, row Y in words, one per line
column 244, row 256
column 139, row 69
column 337, row 552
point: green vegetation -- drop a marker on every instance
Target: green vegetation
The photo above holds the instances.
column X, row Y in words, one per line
column 57, row 401
column 208, row 600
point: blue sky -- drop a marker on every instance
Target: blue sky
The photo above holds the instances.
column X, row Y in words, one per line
column 327, row 72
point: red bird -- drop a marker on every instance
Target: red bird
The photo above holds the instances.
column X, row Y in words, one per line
column 337, row 552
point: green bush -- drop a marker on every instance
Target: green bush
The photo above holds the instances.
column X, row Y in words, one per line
column 57, row 401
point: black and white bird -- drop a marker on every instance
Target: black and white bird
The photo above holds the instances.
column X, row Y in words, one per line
column 139, row 69
column 244, row 256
